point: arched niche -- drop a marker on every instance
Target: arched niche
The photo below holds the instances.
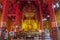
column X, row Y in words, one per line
column 29, row 18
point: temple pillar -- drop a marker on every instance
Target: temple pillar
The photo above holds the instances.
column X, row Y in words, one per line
column 17, row 14
column 3, row 13
column 53, row 28
column 41, row 19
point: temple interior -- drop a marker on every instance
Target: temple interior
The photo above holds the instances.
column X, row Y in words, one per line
column 30, row 19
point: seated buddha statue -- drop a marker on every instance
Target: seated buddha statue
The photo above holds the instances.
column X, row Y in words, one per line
column 29, row 23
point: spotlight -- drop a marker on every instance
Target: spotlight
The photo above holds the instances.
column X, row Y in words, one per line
column 16, row 26
column 48, row 16
column 54, row 6
column 57, row 4
column 44, row 19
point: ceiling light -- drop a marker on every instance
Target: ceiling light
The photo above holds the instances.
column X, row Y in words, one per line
column 44, row 19
column 54, row 6
column 16, row 26
column 57, row 4
column 48, row 16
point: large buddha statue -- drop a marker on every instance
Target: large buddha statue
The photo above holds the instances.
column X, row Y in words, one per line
column 29, row 22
